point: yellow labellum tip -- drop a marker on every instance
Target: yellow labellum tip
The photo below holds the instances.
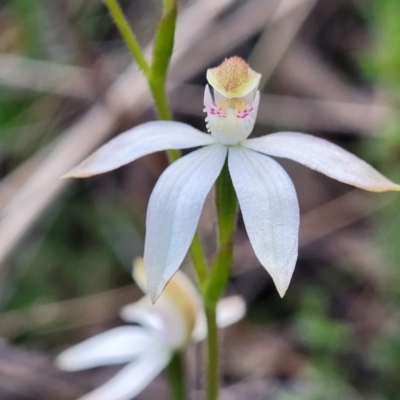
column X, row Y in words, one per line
column 233, row 78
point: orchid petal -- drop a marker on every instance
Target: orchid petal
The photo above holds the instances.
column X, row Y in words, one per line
column 116, row 346
column 174, row 211
column 270, row 211
column 229, row 311
column 174, row 313
column 133, row 378
column 143, row 312
column 324, row 157
column 178, row 288
column 172, row 320
column 137, row 142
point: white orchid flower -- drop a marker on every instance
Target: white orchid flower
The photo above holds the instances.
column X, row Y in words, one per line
column 266, row 195
column 176, row 319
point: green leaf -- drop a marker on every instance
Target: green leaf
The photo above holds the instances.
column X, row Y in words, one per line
column 164, row 42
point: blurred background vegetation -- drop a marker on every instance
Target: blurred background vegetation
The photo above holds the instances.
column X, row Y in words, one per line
column 330, row 68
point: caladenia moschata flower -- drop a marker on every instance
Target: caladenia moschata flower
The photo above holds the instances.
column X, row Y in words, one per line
column 161, row 329
column 266, row 195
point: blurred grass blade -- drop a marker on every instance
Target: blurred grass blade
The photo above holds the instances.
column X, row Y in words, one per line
column 128, row 35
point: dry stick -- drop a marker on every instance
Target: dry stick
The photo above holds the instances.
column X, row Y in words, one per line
column 30, row 375
column 339, row 213
column 305, row 70
column 225, row 36
column 81, row 311
column 47, row 77
column 128, row 94
column 362, row 258
column 277, row 37
column 322, row 114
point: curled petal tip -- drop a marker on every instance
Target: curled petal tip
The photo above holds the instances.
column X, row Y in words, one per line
column 74, row 173
column 70, row 175
column 395, row 187
column 384, row 185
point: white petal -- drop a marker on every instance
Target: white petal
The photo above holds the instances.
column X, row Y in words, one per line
column 143, row 312
column 270, row 211
column 170, row 319
column 200, row 330
column 137, row 142
column 173, row 315
column 118, row 345
column 174, row 211
column 324, row 157
column 133, row 378
column 229, row 311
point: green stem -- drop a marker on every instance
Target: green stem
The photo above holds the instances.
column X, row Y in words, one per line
column 219, row 274
column 160, row 99
column 167, row 4
column 226, row 202
column 212, row 353
column 157, row 87
column 176, row 376
column 199, row 261
column 128, row 36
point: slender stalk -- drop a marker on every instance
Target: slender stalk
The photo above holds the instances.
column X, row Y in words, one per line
column 199, row 261
column 219, row 274
column 212, row 353
column 157, row 87
column 160, row 99
column 167, row 4
column 176, row 376
column 226, row 202
column 163, row 111
column 128, row 35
